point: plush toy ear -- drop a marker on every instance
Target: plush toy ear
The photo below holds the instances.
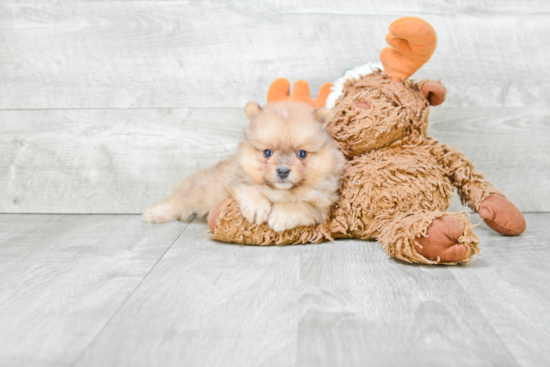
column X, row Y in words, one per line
column 324, row 116
column 252, row 110
column 433, row 91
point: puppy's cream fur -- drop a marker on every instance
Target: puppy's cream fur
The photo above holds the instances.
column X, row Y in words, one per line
column 304, row 197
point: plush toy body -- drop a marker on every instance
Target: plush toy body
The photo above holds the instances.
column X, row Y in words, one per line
column 398, row 180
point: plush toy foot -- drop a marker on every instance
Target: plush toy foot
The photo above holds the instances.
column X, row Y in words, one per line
column 441, row 243
column 502, row 216
column 427, row 237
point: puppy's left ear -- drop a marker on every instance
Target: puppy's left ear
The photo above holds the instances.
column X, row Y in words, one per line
column 324, row 116
column 252, row 110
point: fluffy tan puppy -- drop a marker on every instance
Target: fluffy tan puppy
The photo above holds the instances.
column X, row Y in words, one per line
column 286, row 171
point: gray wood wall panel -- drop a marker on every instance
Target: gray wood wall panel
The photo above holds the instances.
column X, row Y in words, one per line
column 222, row 53
column 107, row 161
column 510, row 146
column 105, row 106
column 122, row 161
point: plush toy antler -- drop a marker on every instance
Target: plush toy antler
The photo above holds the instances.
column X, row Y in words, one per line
column 412, row 41
column 280, row 91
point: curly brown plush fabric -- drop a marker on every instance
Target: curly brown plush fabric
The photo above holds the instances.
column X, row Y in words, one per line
column 374, row 111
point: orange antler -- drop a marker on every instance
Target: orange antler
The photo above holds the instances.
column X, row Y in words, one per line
column 280, row 91
column 413, row 41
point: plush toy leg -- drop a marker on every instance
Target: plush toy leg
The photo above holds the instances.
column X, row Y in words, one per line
column 228, row 225
column 497, row 211
column 502, row 216
column 430, row 238
column 472, row 187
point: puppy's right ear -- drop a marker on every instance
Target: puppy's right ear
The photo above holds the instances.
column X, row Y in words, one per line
column 252, row 110
column 324, row 116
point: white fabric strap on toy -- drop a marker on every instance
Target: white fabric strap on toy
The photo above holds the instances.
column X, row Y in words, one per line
column 355, row 73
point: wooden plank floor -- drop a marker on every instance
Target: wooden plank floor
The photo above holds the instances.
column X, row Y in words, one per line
column 110, row 290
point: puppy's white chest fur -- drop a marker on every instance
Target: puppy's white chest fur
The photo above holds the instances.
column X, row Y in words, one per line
column 280, row 196
column 309, row 195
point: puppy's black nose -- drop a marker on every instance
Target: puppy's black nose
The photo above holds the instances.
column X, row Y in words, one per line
column 283, row 172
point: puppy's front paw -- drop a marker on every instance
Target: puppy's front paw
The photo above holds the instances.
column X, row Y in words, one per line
column 161, row 213
column 255, row 211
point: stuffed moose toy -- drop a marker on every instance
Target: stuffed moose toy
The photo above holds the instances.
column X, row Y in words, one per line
column 398, row 180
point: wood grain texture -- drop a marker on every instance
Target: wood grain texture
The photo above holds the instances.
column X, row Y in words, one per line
column 510, row 285
column 63, row 277
column 123, row 161
column 79, row 290
column 107, row 161
column 358, row 308
column 105, row 106
column 341, row 304
column 225, row 53
column 207, row 304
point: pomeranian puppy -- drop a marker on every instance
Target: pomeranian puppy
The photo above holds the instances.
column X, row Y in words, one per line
column 287, row 171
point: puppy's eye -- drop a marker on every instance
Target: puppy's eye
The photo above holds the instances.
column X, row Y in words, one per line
column 302, row 154
column 268, row 153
